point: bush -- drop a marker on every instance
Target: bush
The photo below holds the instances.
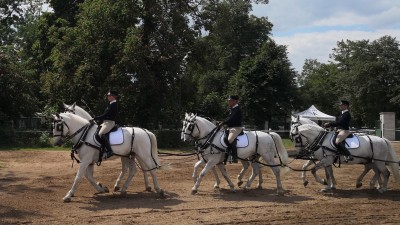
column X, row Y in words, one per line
column 170, row 139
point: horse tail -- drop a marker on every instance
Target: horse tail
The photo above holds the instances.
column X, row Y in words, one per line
column 154, row 151
column 282, row 152
column 394, row 164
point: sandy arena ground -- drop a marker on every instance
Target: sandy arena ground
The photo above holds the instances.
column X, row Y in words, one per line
column 32, row 185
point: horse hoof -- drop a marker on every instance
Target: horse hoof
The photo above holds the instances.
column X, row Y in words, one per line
column 67, row 199
column 305, row 183
column 123, row 193
column 216, row 186
column 324, row 182
column 99, row 184
column 106, row 190
column 148, row 189
column 259, row 187
column 245, row 189
column 358, row 185
column 161, row 193
column 194, row 192
column 281, row 193
column 325, row 190
column 116, row 188
column 381, row 190
column 239, row 183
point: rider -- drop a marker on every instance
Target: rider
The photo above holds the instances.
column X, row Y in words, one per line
column 234, row 126
column 108, row 121
column 342, row 129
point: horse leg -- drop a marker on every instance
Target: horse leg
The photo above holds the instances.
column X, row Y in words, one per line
column 330, row 176
column 209, row 165
column 155, row 182
column 322, row 164
column 381, row 167
column 195, row 169
column 376, row 178
column 255, row 172
column 260, row 179
column 130, row 164
column 304, row 172
column 241, row 174
column 217, row 180
column 270, row 161
column 145, row 177
column 367, row 168
column 82, row 169
column 121, row 175
column 225, row 175
column 89, row 176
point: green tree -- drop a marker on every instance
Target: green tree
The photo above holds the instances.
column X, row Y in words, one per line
column 368, row 76
column 267, row 85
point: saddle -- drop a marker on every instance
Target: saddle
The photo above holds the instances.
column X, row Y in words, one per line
column 115, row 136
column 351, row 141
column 242, row 140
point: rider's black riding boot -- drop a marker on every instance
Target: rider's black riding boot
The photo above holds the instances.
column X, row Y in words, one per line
column 227, row 150
column 233, row 148
column 106, row 144
column 348, row 156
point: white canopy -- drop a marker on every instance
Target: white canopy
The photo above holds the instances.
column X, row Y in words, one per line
column 313, row 113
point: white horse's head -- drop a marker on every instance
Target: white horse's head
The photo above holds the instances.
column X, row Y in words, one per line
column 195, row 127
column 64, row 125
column 306, row 134
column 294, row 131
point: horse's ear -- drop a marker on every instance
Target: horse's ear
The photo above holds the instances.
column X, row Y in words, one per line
column 298, row 117
column 73, row 105
column 65, row 105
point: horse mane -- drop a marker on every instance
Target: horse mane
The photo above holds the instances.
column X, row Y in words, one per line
column 74, row 117
column 306, row 121
column 310, row 127
column 205, row 121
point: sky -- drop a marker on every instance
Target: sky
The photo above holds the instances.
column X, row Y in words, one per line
column 311, row 28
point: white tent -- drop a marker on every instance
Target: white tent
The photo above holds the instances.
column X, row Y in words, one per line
column 313, row 113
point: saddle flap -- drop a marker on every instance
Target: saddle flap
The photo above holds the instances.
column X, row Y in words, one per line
column 352, row 141
column 242, row 140
column 115, row 137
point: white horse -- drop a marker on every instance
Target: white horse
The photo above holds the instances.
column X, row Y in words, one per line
column 370, row 148
column 137, row 142
column 75, row 109
column 331, row 182
column 198, row 129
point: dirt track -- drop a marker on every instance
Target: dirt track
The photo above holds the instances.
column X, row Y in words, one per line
column 32, row 185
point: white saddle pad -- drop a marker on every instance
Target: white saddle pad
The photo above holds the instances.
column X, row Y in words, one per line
column 242, row 140
column 352, row 142
column 115, row 138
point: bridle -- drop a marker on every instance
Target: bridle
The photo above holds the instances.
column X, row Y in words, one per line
column 58, row 125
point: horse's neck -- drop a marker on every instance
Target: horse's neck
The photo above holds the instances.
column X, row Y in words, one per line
column 82, row 113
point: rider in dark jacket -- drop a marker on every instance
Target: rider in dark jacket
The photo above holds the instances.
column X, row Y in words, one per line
column 108, row 119
column 234, row 125
column 342, row 125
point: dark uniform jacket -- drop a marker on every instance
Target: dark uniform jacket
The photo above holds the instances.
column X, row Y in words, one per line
column 110, row 113
column 343, row 121
column 235, row 117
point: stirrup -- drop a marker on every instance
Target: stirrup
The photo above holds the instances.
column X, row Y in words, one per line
column 107, row 155
column 348, row 158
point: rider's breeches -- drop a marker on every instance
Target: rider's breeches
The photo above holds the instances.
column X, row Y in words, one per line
column 341, row 136
column 106, row 126
column 233, row 133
